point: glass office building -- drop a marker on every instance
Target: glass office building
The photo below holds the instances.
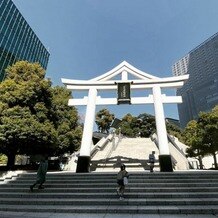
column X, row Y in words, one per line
column 17, row 39
column 200, row 92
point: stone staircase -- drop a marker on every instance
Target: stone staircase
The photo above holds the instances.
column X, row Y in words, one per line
column 133, row 152
column 190, row 192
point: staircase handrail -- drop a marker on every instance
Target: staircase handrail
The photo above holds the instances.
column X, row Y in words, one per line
column 154, row 139
column 172, row 141
column 101, row 144
column 114, row 146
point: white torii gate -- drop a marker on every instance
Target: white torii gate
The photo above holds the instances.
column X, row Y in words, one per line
column 106, row 82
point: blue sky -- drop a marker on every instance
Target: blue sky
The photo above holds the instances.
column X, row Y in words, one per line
column 86, row 38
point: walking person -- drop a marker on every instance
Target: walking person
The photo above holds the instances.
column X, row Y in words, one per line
column 41, row 174
column 152, row 161
column 121, row 181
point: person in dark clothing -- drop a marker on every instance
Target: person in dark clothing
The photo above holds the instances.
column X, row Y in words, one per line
column 41, row 174
column 152, row 161
column 120, row 181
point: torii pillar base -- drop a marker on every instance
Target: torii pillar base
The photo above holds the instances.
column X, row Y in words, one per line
column 165, row 163
column 83, row 164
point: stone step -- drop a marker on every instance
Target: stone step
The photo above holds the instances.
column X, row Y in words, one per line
column 125, row 209
column 108, row 158
column 113, row 180
column 102, row 185
column 108, row 201
column 142, row 174
column 145, row 174
column 96, row 195
column 156, row 193
column 110, row 190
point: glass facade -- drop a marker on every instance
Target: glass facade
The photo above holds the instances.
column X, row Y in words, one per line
column 17, row 39
column 200, row 92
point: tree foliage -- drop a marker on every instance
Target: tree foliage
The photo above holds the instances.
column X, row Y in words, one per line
column 3, row 159
column 65, row 119
column 103, row 120
column 125, row 125
column 192, row 139
column 34, row 117
column 202, row 135
column 142, row 125
column 173, row 129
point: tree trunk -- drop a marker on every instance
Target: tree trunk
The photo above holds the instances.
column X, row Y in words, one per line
column 11, row 161
column 200, row 162
column 215, row 160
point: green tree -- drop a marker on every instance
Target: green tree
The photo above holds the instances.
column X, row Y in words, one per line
column 208, row 123
column 147, row 124
column 201, row 136
column 193, row 140
column 125, row 125
column 30, row 120
column 103, row 120
column 174, row 130
column 142, row 125
column 3, row 159
column 65, row 120
column 24, row 99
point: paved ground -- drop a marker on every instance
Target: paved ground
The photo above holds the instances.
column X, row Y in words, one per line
column 66, row 215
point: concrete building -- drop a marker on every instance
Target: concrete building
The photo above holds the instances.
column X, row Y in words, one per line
column 17, row 39
column 200, row 92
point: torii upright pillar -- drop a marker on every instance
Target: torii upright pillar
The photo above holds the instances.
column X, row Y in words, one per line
column 83, row 164
column 164, row 153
